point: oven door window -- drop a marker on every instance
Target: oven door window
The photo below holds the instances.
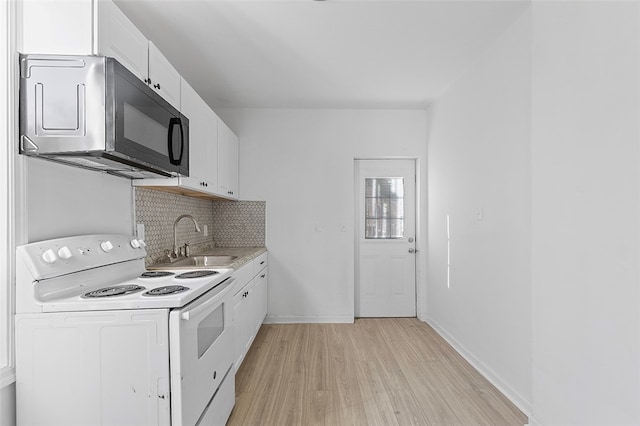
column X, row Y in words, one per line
column 209, row 329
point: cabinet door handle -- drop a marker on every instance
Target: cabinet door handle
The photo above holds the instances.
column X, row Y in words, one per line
column 157, row 86
column 263, row 275
column 262, row 263
column 147, row 80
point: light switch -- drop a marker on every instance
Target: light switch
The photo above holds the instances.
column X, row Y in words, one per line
column 205, row 230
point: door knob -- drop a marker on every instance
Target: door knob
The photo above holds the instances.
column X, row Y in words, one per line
column 411, row 250
column 410, row 239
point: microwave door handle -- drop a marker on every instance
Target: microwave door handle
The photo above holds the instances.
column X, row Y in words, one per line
column 173, row 122
column 186, row 315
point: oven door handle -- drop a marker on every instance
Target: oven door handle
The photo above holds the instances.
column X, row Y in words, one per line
column 224, row 286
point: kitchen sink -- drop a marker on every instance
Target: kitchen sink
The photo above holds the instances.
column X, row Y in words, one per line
column 205, row 260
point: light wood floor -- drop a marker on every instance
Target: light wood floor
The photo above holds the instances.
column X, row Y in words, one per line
column 374, row 372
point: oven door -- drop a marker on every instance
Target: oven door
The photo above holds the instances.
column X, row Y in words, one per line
column 146, row 126
column 201, row 354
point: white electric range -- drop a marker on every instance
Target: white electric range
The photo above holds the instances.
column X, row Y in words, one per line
column 102, row 341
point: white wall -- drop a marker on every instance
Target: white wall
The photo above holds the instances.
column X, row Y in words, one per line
column 7, row 392
column 543, row 133
column 301, row 162
column 479, row 145
column 63, row 200
column 586, row 208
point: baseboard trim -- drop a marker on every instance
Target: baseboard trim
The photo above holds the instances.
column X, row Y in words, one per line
column 308, row 319
column 487, row 373
column 534, row 422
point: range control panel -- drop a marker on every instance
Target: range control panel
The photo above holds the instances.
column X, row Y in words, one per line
column 51, row 258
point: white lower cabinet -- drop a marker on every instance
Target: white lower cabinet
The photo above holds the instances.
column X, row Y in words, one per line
column 249, row 305
column 243, row 306
column 260, row 301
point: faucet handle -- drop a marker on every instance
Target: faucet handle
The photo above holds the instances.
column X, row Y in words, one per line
column 186, row 249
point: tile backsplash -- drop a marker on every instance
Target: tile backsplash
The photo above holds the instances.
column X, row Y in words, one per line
column 230, row 223
column 239, row 224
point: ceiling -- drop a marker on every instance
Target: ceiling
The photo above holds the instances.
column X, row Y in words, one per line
column 321, row 54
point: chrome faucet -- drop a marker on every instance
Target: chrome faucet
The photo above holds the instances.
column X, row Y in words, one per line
column 174, row 253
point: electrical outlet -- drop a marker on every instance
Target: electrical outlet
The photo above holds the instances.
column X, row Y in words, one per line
column 140, row 231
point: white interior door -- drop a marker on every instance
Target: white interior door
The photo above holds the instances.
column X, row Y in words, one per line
column 385, row 245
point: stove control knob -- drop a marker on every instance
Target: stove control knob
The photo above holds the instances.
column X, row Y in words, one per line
column 65, row 253
column 49, row 256
column 106, row 246
column 142, row 243
column 135, row 243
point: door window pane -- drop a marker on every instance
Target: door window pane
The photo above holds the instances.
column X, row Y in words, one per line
column 384, row 208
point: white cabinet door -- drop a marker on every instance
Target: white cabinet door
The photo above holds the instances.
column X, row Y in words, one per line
column 164, row 78
column 211, row 130
column 250, row 314
column 120, row 39
column 227, row 161
column 203, row 139
column 260, row 301
column 239, row 330
column 249, row 305
column 233, row 166
column 243, row 321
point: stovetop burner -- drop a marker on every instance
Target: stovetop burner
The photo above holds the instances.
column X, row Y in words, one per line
column 156, row 274
column 116, row 290
column 197, row 274
column 166, row 290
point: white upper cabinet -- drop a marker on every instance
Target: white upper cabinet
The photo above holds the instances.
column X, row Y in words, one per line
column 203, row 139
column 163, row 77
column 99, row 27
column 120, row 39
column 227, row 162
column 66, row 27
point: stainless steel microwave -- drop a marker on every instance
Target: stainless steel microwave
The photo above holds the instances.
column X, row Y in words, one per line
column 91, row 112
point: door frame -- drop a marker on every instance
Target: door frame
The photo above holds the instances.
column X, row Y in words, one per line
column 420, row 248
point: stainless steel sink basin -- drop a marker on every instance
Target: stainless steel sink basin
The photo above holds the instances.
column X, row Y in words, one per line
column 205, row 260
